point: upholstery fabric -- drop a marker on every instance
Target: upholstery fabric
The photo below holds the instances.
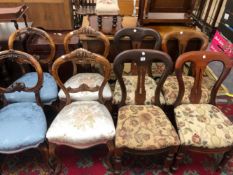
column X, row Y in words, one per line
column 144, row 128
column 82, row 124
column 107, row 7
column 22, row 126
column 48, row 93
column 131, row 85
column 171, row 89
column 90, row 79
column 203, row 125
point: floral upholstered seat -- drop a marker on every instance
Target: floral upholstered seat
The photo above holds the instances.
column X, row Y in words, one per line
column 92, row 80
column 80, row 125
column 171, row 88
column 144, row 127
column 131, row 85
column 203, row 125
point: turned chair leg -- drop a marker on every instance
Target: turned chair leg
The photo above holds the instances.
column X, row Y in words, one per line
column 226, row 157
column 54, row 162
column 109, row 157
column 117, row 161
column 169, row 160
column 179, row 157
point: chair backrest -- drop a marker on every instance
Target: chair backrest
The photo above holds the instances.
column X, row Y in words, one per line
column 177, row 42
column 200, row 60
column 143, row 59
column 85, row 7
column 82, row 56
column 136, row 36
column 30, row 35
column 22, row 58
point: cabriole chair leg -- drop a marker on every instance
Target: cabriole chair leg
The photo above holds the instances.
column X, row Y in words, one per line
column 54, row 162
column 226, row 157
column 109, row 157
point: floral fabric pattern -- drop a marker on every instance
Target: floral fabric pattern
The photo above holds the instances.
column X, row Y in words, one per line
column 90, row 79
column 144, row 128
column 203, row 125
column 82, row 124
column 131, row 84
column 171, row 89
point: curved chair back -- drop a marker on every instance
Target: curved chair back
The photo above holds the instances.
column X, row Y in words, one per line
column 200, row 60
column 31, row 35
column 143, row 59
column 22, row 58
column 82, row 56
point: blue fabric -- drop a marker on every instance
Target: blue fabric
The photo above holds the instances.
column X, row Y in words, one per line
column 22, row 125
column 48, row 93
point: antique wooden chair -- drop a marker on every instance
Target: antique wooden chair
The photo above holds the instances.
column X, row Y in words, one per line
column 176, row 43
column 86, row 34
column 143, row 129
column 82, row 124
column 202, row 128
column 49, row 90
column 23, row 125
column 138, row 38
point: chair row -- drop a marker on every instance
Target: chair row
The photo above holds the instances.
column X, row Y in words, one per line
column 142, row 128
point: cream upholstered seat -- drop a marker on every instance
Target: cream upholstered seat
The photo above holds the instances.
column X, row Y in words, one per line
column 144, row 127
column 107, row 7
column 171, row 89
column 203, row 125
column 131, row 85
column 80, row 125
column 92, row 80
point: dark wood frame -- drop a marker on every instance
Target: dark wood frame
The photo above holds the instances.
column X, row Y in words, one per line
column 82, row 56
column 143, row 59
column 201, row 60
column 24, row 58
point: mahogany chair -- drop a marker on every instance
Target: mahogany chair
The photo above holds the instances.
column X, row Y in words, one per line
column 138, row 38
column 176, row 43
column 143, row 129
column 202, row 128
column 49, row 90
column 82, row 124
column 84, row 35
column 23, row 125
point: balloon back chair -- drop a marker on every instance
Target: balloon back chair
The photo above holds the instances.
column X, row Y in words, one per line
column 202, row 127
column 143, row 129
column 176, row 43
column 82, row 124
column 49, row 90
column 85, row 35
column 22, row 125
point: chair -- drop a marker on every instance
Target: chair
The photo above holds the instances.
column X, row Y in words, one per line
column 22, row 125
column 91, row 79
column 202, row 128
column 49, row 90
column 176, row 43
column 143, row 129
column 82, row 124
column 139, row 38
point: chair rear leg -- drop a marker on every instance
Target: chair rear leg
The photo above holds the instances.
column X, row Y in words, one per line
column 169, row 159
column 54, row 162
column 109, row 157
column 1, row 162
column 179, row 157
column 117, row 160
column 226, row 157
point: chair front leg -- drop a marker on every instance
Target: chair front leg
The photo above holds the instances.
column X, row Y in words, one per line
column 179, row 157
column 109, row 158
column 169, row 159
column 117, row 160
column 44, row 151
column 1, row 162
column 54, row 162
column 226, row 157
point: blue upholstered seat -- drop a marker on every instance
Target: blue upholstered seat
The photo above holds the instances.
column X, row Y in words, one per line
column 48, row 93
column 22, row 126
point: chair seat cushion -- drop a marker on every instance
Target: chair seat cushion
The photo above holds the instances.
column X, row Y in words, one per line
column 22, row 126
column 171, row 89
column 107, row 7
column 91, row 80
column 48, row 93
column 131, row 85
column 144, row 128
column 203, row 125
column 82, row 124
